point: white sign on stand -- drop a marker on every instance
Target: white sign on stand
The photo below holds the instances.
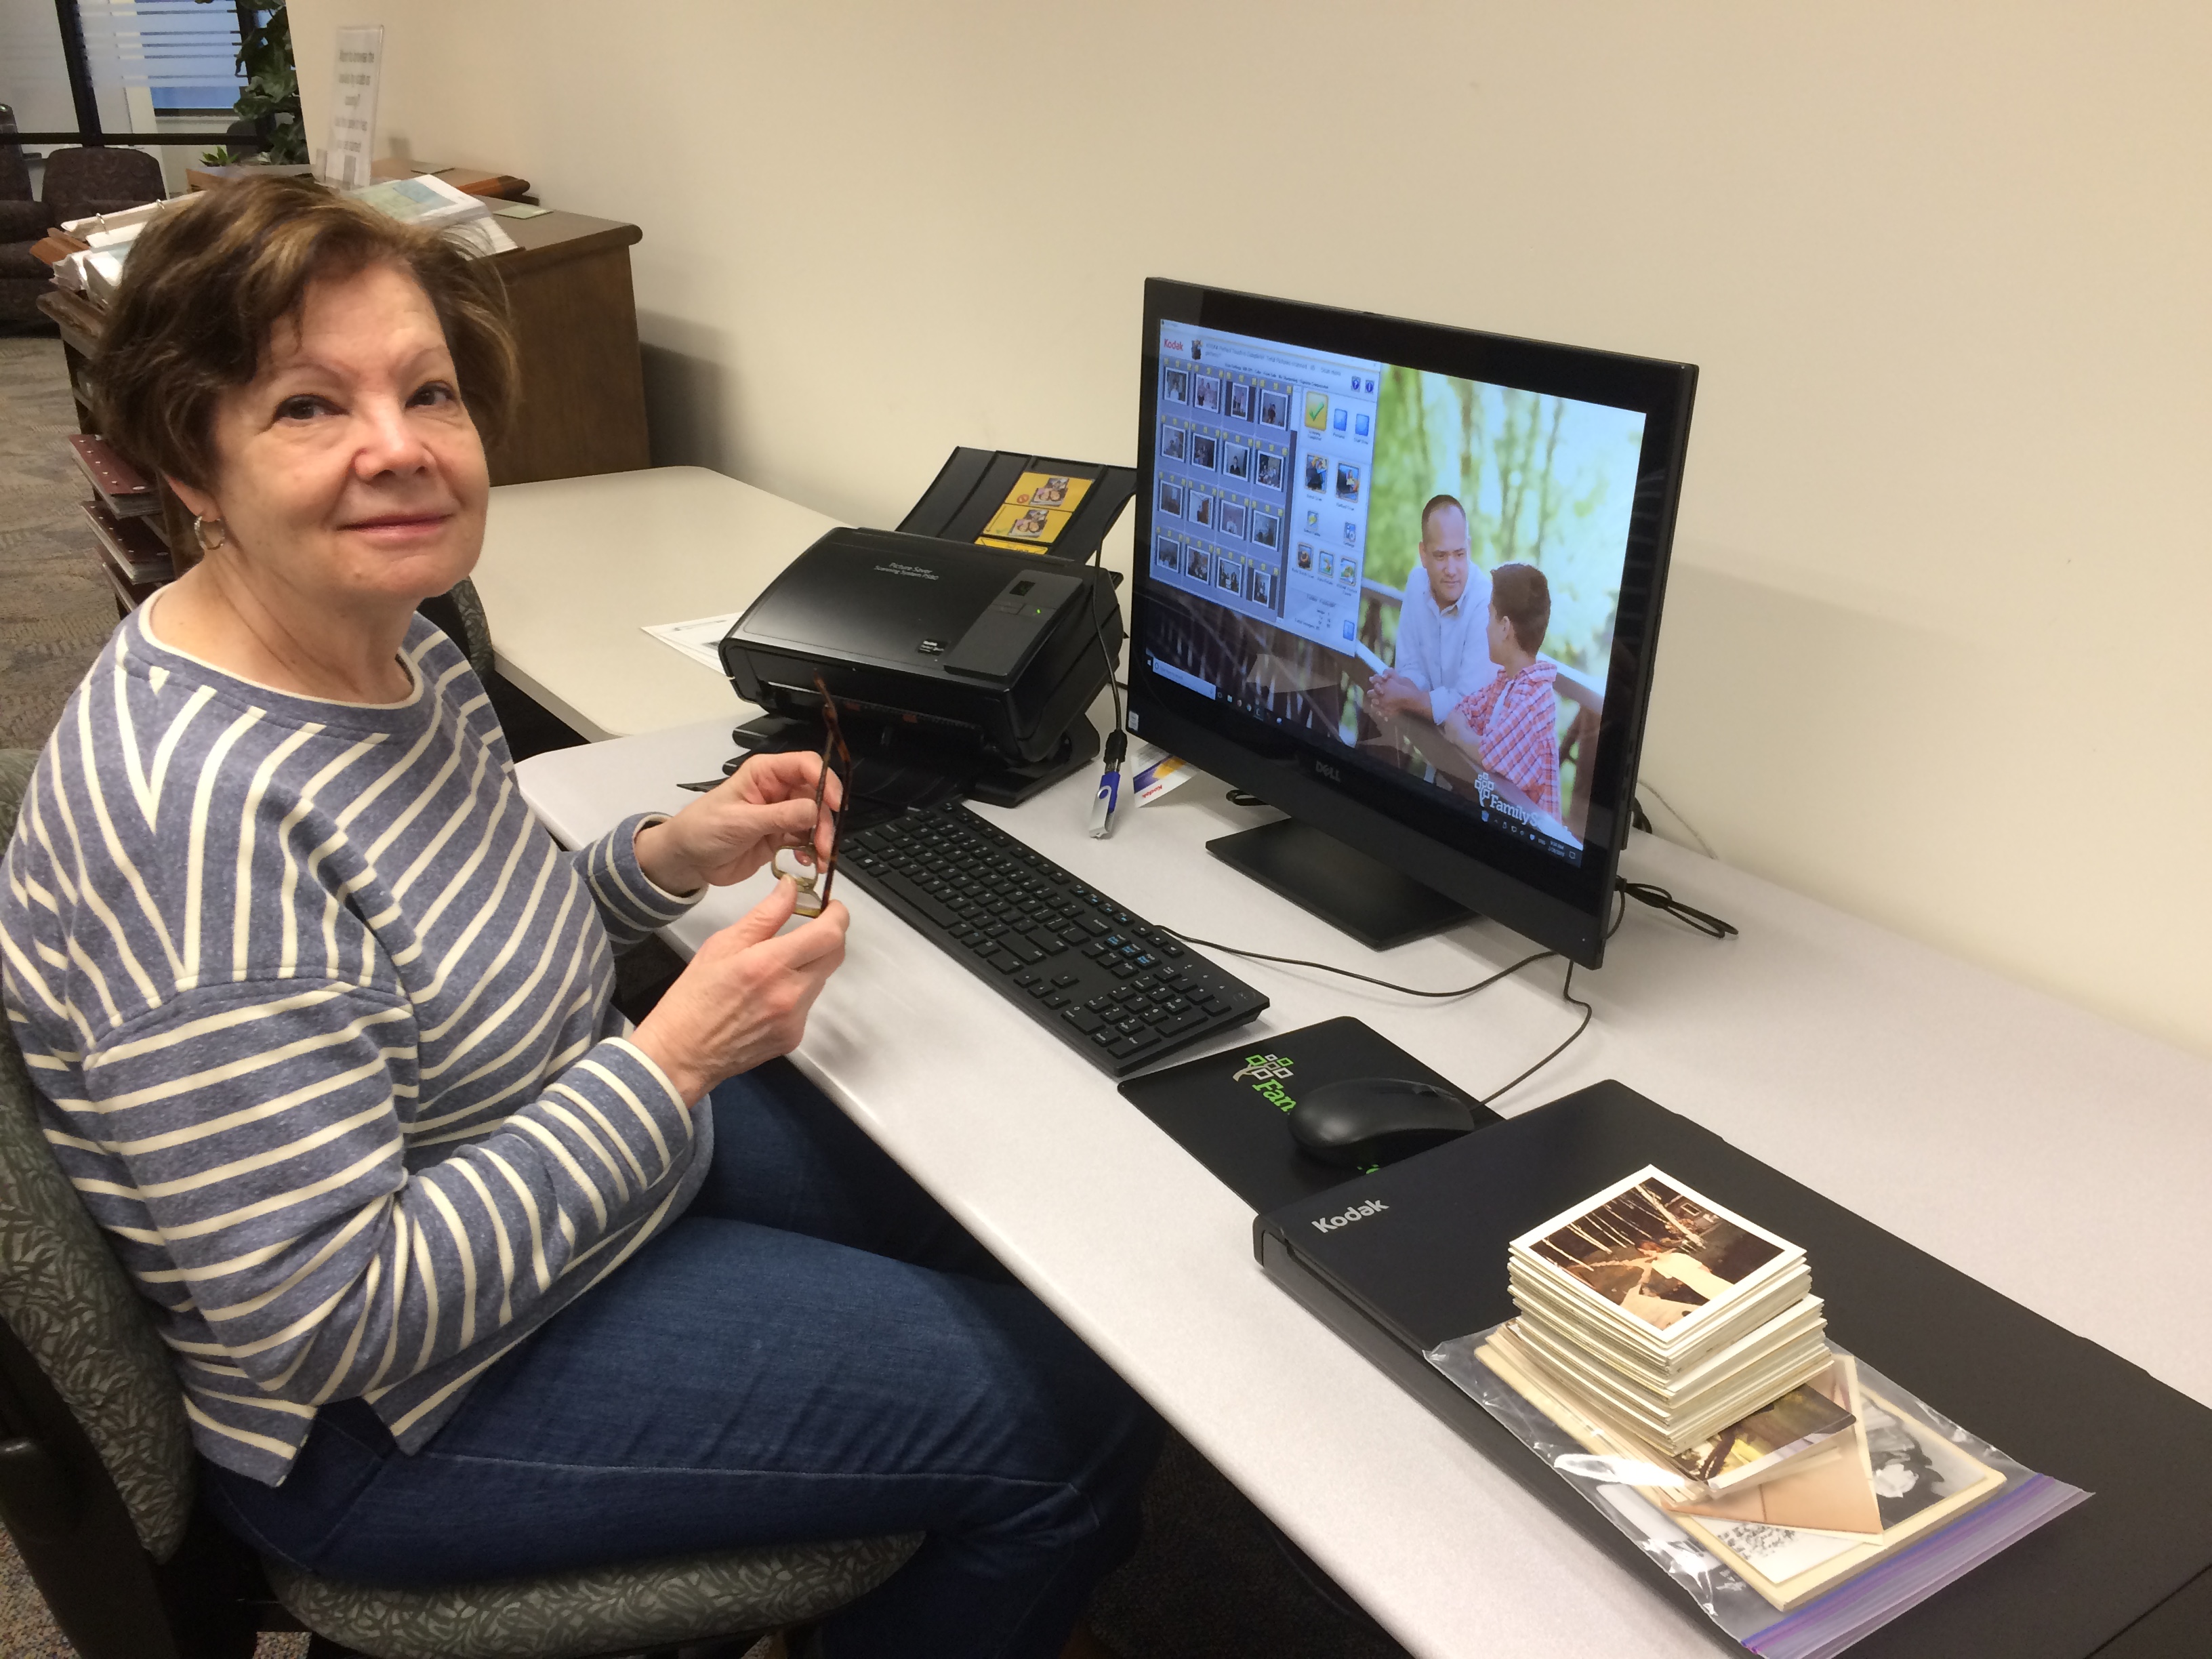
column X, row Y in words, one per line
column 353, row 105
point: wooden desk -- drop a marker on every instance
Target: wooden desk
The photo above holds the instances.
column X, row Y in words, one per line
column 2024, row 1141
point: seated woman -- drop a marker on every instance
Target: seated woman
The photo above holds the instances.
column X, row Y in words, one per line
column 463, row 1278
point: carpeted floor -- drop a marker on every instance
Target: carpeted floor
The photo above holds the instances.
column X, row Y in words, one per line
column 56, row 608
column 1208, row 1583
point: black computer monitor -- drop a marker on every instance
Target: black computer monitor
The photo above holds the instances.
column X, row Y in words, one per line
column 1403, row 581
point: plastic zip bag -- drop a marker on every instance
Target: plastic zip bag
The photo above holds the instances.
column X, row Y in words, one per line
column 1949, row 1502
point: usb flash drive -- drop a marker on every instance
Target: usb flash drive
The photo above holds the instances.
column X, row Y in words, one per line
column 1109, row 787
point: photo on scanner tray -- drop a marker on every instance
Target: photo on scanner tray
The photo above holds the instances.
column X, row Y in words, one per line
column 1268, row 472
column 1274, row 408
column 1171, row 498
column 1260, row 588
column 1048, row 489
column 1236, row 459
column 1233, row 520
column 1196, row 565
column 1175, row 386
column 1039, row 525
column 1228, row 573
column 1657, row 1251
column 1202, row 451
column 1201, row 509
column 1209, row 394
column 1171, row 441
column 1267, row 529
column 1240, row 400
column 1167, row 552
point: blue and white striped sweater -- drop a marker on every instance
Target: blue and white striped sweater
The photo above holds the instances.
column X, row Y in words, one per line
column 321, row 1017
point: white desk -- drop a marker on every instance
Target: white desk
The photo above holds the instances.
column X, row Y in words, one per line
column 2001, row 1130
column 574, row 569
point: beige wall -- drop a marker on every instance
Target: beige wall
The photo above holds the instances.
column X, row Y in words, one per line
column 1932, row 648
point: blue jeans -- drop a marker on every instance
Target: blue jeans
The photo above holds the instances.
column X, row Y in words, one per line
column 815, row 1350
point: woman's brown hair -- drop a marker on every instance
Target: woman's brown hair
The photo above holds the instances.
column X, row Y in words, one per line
column 209, row 281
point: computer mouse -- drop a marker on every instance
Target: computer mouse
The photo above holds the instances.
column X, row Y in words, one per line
column 1364, row 1120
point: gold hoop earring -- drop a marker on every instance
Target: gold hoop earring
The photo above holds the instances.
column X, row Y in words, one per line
column 200, row 533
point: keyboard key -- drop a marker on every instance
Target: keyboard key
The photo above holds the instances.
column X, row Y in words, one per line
column 1063, row 981
column 1005, row 962
column 1084, row 1020
column 1056, row 1000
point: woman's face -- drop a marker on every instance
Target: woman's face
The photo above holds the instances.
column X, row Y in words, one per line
column 347, row 471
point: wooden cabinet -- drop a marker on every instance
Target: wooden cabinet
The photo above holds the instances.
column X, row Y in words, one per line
column 582, row 408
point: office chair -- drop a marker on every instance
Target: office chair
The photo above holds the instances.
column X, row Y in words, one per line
column 98, row 1481
column 98, row 179
column 23, row 277
column 460, row 616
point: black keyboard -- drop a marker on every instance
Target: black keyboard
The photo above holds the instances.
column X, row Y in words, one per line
column 1090, row 971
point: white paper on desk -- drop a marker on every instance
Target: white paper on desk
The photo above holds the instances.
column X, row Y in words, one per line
column 697, row 638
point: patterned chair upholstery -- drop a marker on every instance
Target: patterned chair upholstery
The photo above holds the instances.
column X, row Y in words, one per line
column 22, row 223
column 460, row 614
column 98, row 179
column 67, row 1303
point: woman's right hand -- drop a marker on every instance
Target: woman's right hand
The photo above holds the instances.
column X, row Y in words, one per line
column 744, row 999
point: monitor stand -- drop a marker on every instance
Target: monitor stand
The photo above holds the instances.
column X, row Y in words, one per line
column 1345, row 887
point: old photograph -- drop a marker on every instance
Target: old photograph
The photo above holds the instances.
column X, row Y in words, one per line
column 1655, row 1252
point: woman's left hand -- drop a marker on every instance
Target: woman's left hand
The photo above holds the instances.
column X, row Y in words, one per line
column 727, row 834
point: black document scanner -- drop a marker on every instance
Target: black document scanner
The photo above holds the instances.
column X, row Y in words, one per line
column 957, row 645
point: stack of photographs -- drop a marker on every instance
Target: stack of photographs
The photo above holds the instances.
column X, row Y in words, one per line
column 1671, row 1318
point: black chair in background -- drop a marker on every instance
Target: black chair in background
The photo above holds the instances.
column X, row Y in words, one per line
column 22, row 223
column 98, row 179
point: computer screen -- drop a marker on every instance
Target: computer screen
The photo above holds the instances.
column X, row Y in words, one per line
column 1406, row 578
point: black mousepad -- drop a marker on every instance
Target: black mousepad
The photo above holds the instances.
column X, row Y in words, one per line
column 1227, row 1110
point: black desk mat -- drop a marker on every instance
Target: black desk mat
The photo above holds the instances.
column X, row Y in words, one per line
column 1235, row 1128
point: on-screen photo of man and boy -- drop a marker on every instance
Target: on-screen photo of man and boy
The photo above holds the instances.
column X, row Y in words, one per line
column 1466, row 662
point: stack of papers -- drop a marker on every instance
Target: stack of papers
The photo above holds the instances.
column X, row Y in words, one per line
column 1672, row 1317
column 429, row 201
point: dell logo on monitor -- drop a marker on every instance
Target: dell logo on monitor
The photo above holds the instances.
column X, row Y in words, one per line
column 1334, row 774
